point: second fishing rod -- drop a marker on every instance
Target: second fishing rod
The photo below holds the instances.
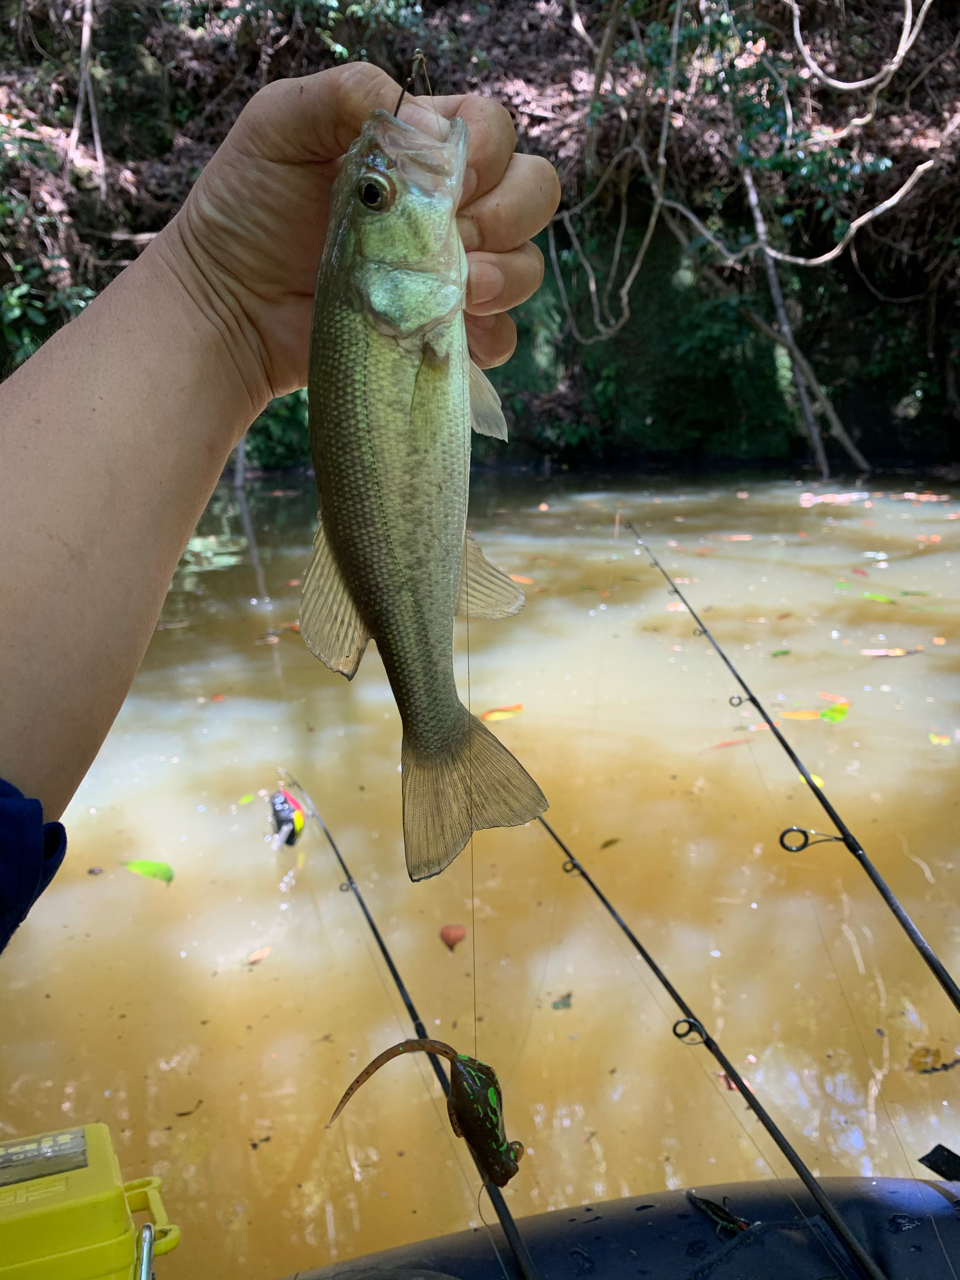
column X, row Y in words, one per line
column 521, row 1255
column 793, row 839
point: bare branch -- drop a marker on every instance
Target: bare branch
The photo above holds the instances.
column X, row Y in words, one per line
column 577, row 23
column 876, row 212
column 908, row 36
column 603, row 57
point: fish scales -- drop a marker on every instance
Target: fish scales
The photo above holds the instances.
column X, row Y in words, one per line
column 392, row 398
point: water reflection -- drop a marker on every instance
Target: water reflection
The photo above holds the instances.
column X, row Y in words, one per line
column 135, row 1003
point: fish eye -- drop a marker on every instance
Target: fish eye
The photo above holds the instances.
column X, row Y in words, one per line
column 375, row 193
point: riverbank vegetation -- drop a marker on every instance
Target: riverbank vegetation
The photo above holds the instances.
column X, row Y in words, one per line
column 758, row 253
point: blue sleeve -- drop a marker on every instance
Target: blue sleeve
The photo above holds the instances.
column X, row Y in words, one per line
column 31, row 851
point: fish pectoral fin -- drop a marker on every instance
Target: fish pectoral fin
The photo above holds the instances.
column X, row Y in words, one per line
column 485, row 590
column 330, row 622
column 486, row 416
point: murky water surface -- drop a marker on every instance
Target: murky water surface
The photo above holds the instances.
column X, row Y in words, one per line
column 132, row 1002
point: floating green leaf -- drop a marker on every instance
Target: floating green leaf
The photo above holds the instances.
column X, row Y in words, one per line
column 612, row 841
column 564, row 1001
column 842, row 586
column 836, row 713
column 914, row 593
column 246, row 799
column 152, row 870
column 779, row 653
column 875, row 595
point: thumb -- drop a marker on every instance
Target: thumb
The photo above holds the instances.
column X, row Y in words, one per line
column 316, row 118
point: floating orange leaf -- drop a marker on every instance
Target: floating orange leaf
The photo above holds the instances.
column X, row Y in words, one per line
column 260, row 954
column 738, row 537
column 939, row 739
column 677, row 606
column 294, row 582
column 502, row 713
column 800, row 715
column 862, row 572
column 939, row 640
column 451, row 934
column 518, row 577
column 729, row 742
column 833, row 697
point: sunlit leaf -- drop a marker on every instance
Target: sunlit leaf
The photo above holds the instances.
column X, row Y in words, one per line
column 246, row 800
column 260, row 954
column 875, row 595
column 151, row 870
column 836, row 713
column 564, row 1001
column 502, row 713
column 939, row 739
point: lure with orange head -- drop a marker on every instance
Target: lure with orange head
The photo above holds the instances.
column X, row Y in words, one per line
column 475, row 1106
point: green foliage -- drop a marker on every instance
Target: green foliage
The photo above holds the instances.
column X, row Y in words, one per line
column 278, row 439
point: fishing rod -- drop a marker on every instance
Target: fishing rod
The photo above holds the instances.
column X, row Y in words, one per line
column 788, row 838
column 520, row 1252
column 691, row 1031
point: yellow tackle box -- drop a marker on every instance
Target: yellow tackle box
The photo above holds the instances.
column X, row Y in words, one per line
column 67, row 1214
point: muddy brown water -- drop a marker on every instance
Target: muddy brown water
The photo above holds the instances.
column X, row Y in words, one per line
column 132, row 1002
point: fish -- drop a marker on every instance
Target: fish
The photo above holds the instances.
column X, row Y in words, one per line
column 475, row 1106
column 392, row 398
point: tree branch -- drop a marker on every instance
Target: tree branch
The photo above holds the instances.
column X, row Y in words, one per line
column 908, row 36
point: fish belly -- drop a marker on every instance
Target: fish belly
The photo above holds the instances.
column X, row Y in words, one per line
column 390, row 437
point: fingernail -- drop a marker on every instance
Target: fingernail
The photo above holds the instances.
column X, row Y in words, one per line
column 486, row 283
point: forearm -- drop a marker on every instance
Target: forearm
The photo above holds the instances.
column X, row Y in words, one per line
column 112, row 438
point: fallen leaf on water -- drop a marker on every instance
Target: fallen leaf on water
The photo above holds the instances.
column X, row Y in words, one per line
column 738, row 537
column 923, row 1058
column 890, row 653
column 728, row 742
column 677, row 606
column 833, row 697
column 284, row 493
column 216, row 697
column 260, row 954
column 294, row 582
column 800, row 715
column 914, row 593
column 862, row 573
column 151, row 870
column 939, row 739
column 939, row 640
column 451, row 934
column 291, row 626
column 842, row 586
column 502, row 713
column 612, row 841
column 246, row 799
column 875, row 595
column 171, row 626
column 781, row 616
column 94, row 871
column 544, row 506
column 268, row 639
column 818, row 781
column 518, row 577
column 836, row 713
column 779, row 653
column 181, row 1114
column 564, row 1001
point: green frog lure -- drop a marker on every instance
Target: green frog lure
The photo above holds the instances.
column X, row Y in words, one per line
column 475, row 1106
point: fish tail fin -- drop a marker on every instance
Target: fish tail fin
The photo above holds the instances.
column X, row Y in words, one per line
column 475, row 785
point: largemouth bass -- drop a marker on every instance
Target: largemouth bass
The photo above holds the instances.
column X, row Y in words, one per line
column 392, row 396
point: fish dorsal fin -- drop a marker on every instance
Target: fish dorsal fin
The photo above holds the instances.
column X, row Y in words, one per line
column 485, row 590
column 486, row 416
column 330, row 622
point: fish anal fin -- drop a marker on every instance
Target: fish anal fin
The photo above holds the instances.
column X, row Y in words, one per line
column 330, row 621
column 485, row 590
column 486, row 415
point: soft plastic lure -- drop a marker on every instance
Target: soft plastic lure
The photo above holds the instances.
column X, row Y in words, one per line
column 475, row 1106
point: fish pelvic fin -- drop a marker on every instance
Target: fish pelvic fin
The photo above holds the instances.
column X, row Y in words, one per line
column 330, row 622
column 475, row 785
column 485, row 590
column 486, row 415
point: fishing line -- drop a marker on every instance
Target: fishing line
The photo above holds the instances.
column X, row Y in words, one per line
column 794, row 839
column 883, row 1101
column 690, row 1030
column 519, row 1250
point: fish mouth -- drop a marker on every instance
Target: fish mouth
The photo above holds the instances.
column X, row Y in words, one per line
column 391, row 146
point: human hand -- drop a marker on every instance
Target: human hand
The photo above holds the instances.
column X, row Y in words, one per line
column 247, row 243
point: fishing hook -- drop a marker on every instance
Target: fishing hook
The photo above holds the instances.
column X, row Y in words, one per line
column 846, row 836
column 417, row 63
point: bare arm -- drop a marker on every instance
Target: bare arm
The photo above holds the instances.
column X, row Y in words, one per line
column 114, row 434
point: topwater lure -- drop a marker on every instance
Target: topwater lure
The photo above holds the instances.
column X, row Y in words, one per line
column 475, row 1106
